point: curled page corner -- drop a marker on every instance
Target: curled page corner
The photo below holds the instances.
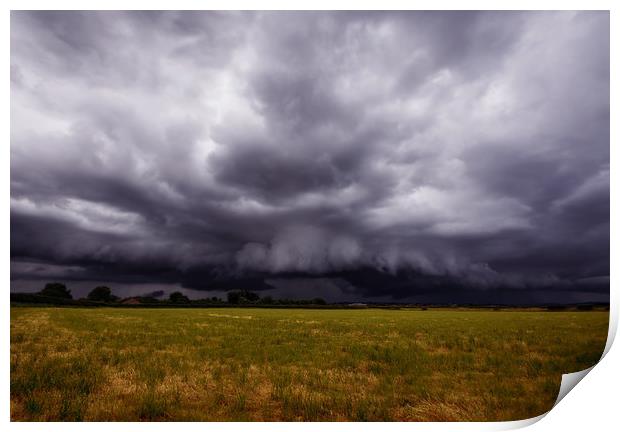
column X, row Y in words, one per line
column 569, row 381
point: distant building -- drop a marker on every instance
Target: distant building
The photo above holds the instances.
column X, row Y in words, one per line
column 130, row 300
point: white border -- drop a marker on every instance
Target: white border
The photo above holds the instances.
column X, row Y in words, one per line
column 591, row 406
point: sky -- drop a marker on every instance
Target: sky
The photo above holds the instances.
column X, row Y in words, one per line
column 453, row 157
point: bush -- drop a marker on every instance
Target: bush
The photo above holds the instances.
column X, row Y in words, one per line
column 40, row 299
column 55, row 289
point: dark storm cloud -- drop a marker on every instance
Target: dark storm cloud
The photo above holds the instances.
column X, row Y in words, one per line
column 386, row 154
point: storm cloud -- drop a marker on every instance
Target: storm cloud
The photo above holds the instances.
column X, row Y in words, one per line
column 387, row 155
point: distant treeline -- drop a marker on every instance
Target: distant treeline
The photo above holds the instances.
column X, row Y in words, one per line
column 57, row 294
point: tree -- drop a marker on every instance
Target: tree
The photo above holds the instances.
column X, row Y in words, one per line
column 267, row 300
column 178, row 297
column 55, row 289
column 319, row 301
column 244, row 296
column 233, row 297
column 102, row 294
column 250, row 296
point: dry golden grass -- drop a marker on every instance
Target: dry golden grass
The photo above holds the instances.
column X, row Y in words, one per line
column 266, row 364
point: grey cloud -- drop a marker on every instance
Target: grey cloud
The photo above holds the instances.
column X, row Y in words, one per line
column 302, row 249
column 436, row 149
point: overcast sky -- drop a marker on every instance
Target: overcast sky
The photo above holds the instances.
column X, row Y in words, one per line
column 448, row 156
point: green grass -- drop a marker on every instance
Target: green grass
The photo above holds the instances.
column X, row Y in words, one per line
column 294, row 364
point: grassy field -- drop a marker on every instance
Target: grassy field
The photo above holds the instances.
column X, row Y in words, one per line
column 296, row 364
